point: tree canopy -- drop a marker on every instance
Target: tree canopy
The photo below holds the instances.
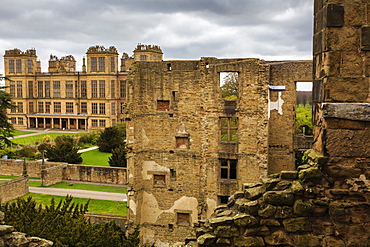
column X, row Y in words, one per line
column 63, row 151
column 229, row 86
column 5, row 103
column 111, row 138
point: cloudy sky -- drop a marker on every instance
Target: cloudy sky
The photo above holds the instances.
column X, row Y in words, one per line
column 185, row 29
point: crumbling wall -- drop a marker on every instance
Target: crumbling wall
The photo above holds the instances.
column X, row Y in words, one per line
column 13, row 188
column 97, row 174
column 10, row 167
column 52, row 175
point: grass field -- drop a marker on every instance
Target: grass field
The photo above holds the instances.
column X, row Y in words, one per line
column 21, row 132
column 95, row 158
column 95, row 206
column 37, row 138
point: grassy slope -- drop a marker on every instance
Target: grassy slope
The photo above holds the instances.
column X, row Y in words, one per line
column 95, row 158
column 37, row 138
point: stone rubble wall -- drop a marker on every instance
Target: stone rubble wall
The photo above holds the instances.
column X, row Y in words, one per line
column 14, row 188
column 10, row 167
column 52, row 175
column 303, row 208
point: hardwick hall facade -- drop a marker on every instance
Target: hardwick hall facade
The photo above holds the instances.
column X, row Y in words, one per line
column 64, row 98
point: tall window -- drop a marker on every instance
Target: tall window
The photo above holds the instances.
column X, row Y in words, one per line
column 40, row 106
column 122, row 89
column 29, row 66
column 47, row 89
column 40, row 89
column 142, row 57
column 94, row 64
column 12, row 88
column 57, row 107
column 13, row 109
column 13, row 120
column 101, row 64
column 112, row 65
column 112, row 89
column 229, row 128
column 30, row 89
column 20, row 107
column 102, row 89
column 94, row 89
column 11, row 66
column 102, row 108
column 56, row 88
column 228, row 168
column 47, row 107
column 19, row 89
column 83, row 107
column 102, row 123
column 20, row 120
column 69, row 89
column 83, row 89
column 94, row 123
column 94, row 108
column 69, row 107
column 30, row 107
column 113, row 108
column 18, row 67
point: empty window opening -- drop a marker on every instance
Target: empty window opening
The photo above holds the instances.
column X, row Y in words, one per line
column 163, row 105
column 173, row 174
column 183, row 219
column 228, row 168
column 182, row 142
column 170, row 227
column 229, row 85
column 207, row 65
column 229, row 129
column 223, row 199
column 169, row 68
column 175, row 96
column 303, row 114
column 159, row 180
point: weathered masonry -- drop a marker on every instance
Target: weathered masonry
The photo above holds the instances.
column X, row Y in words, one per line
column 191, row 149
column 64, row 98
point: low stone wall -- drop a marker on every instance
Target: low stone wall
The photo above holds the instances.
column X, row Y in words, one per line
column 13, row 189
column 52, row 175
column 96, row 174
column 15, row 167
column 120, row 220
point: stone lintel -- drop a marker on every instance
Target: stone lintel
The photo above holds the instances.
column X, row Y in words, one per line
column 351, row 111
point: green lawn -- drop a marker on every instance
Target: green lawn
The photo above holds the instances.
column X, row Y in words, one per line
column 91, row 187
column 95, row 206
column 95, row 158
column 21, row 132
column 37, row 138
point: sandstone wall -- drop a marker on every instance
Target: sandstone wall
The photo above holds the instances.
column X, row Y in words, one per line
column 52, row 175
column 119, row 220
column 15, row 167
column 14, row 188
column 97, row 174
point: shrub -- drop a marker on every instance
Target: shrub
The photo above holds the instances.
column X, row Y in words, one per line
column 26, row 152
column 63, row 152
column 118, row 158
column 111, row 138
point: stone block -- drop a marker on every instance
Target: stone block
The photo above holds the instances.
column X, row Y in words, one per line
column 288, row 174
column 279, row 197
column 306, row 240
column 284, row 212
column 351, row 64
column 206, row 239
column 278, row 238
column 267, row 211
column 245, row 220
column 346, row 90
column 250, row 207
column 347, row 143
column 365, row 38
column 257, row 231
column 300, row 224
column 342, row 39
column 242, row 241
column 330, row 241
column 302, row 208
column 4, row 229
column 310, row 173
column 335, row 15
column 355, row 14
column 226, row 231
column 359, row 112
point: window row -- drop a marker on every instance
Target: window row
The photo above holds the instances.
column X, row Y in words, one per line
column 70, row 107
column 15, row 66
column 13, row 120
column 73, row 89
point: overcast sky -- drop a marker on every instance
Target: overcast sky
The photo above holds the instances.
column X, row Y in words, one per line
column 184, row 29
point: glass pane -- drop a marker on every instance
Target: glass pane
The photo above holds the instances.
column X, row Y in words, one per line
column 233, row 135
column 224, row 123
column 223, row 162
column 234, row 122
column 224, row 172
column 233, row 164
column 224, row 135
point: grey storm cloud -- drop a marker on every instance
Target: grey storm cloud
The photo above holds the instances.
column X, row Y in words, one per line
column 185, row 29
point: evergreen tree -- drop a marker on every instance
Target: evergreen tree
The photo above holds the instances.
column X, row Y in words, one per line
column 118, row 158
column 63, row 151
column 5, row 126
column 111, row 138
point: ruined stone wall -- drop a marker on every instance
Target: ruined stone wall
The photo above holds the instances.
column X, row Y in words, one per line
column 281, row 123
column 14, row 188
column 97, row 174
column 174, row 132
column 52, row 175
column 15, row 167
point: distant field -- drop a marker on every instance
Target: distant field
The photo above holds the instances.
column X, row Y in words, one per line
column 37, row 138
column 21, row 132
column 95, row 158
column 95, row 206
